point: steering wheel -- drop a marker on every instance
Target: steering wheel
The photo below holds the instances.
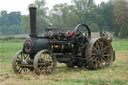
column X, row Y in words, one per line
column 82, row 34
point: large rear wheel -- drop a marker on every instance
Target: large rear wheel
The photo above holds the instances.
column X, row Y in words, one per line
column 99, row 54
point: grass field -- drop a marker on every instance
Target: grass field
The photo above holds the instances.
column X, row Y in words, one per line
column 117, row 74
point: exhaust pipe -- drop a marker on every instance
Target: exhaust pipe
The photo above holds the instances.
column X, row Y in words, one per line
column 32, row 11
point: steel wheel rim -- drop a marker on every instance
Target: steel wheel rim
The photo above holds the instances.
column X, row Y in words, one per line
column 20, row 56
column 101, row 54
column 44, row 63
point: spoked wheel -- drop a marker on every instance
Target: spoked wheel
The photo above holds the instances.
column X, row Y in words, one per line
column 99, row 54
column 45, row 63
column 82, row 34
column 20, row 62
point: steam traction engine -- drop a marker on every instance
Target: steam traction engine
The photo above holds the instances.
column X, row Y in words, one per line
column 40, row 54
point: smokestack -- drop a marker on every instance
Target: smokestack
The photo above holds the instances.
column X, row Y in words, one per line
column 32, row 11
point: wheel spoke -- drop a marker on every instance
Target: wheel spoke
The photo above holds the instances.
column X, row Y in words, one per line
column 42, row 70
column 45, row 70
column 26, row 57
column 94, row 58
column 104, row 59
column 94, row 54
column 20, row 69
column 105, row 48
column 97, row 45
column 21, row 56
column 95, row 50
column 100, row 64
column 107, row 55
column 96, row 64
column 24, row 69
column 79, row 31
column 105, row 52
column 102, row 45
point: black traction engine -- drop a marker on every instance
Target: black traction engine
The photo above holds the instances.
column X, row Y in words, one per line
column 40, row 54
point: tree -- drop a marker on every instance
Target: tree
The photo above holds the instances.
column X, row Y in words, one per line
column 124, row 31
column 25, row 23
column 107, row 13
column 82, row 7
column 120, row 15
column 4, row 29
column 4, row 18
column 14, row 18
column 8, row 22
column 93, row 27
column 15, row 29
column 63, row 16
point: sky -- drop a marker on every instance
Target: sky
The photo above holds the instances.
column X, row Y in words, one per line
column 22, row 5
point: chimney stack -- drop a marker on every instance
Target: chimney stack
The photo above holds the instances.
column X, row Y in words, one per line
column 32, row 11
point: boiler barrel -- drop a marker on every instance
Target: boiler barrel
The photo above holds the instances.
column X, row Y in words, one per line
column 34, row 45
column 61, row 46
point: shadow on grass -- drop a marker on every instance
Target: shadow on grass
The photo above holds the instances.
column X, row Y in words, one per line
column 67, row 70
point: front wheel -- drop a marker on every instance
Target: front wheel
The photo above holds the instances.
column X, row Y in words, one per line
column 19, row 62
column 45, row 63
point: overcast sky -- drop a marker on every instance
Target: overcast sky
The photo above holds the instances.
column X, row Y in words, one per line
column 22, row 5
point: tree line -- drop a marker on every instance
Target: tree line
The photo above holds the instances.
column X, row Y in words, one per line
column 10, row 23
column 111, row 16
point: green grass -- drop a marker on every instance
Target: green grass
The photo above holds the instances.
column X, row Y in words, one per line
column 8, row 49
column 120, row 45
column 117, row 74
